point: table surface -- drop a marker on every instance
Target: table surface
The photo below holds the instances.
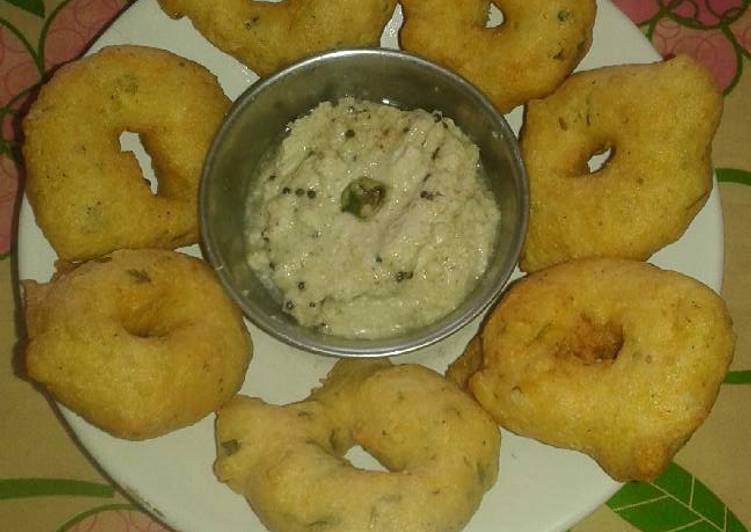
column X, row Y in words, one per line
column 47, row 482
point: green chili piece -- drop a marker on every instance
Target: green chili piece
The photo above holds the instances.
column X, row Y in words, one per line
column 230, row 447
column 363, row 197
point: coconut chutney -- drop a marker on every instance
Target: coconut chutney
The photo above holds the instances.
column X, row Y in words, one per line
column 368, row 220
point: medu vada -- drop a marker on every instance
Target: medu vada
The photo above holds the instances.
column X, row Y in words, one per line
column 658, row 121
column 440, row 448
column 267, row 36
column 612, row 357
column 139, row 343
column 537, row 46
column 88, row 196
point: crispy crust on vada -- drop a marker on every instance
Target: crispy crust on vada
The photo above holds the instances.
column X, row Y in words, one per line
column 139, row 343
column 267, row 36
column 440, row 447
column 461, row 369
column 89, row 197
column 537, row 46
column 658, row 120
column 615, row 358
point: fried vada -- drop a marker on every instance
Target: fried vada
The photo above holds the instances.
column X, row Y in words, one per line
column 89, row 197
column 440, row 448
column 612, row 357
column 139, row 343
column 537, row 46
column 267, row 36
column 658, row 121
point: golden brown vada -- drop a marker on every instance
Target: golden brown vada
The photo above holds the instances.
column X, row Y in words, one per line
column 658, row 120
column 267, row 36
column 440, row 447
column 88, row 196
column 612, row 357
column 139, row 343
column 537, row 46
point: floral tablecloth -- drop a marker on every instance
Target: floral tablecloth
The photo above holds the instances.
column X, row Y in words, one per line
column 47, row 482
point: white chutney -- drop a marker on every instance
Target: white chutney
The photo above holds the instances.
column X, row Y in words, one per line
column 369, row 221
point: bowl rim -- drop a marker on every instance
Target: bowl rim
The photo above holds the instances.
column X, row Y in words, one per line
column 360, row 347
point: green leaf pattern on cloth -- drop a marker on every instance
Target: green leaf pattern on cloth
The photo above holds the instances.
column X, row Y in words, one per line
column 738, row 377
column 110, row 517
column 675, row 501
column 35, row 7
column 733, row 175
column 21, row 488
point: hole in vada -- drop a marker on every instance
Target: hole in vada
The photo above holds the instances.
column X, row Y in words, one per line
column 361, row 459
column 146, row 322
column 592, row 343
column 131, row 142
column 495, row 17
column 599, row 159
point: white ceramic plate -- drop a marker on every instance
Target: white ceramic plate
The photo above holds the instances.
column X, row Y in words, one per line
column 540, row 488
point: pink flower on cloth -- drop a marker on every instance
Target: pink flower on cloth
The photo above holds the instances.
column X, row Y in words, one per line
column 69, row 31
column 118, row 520
column 18, row 72
column 75, row 26
column 637, row 10
column 714, row 32
column 8, row 191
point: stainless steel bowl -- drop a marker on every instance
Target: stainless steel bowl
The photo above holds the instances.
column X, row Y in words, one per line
column 256, row 121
